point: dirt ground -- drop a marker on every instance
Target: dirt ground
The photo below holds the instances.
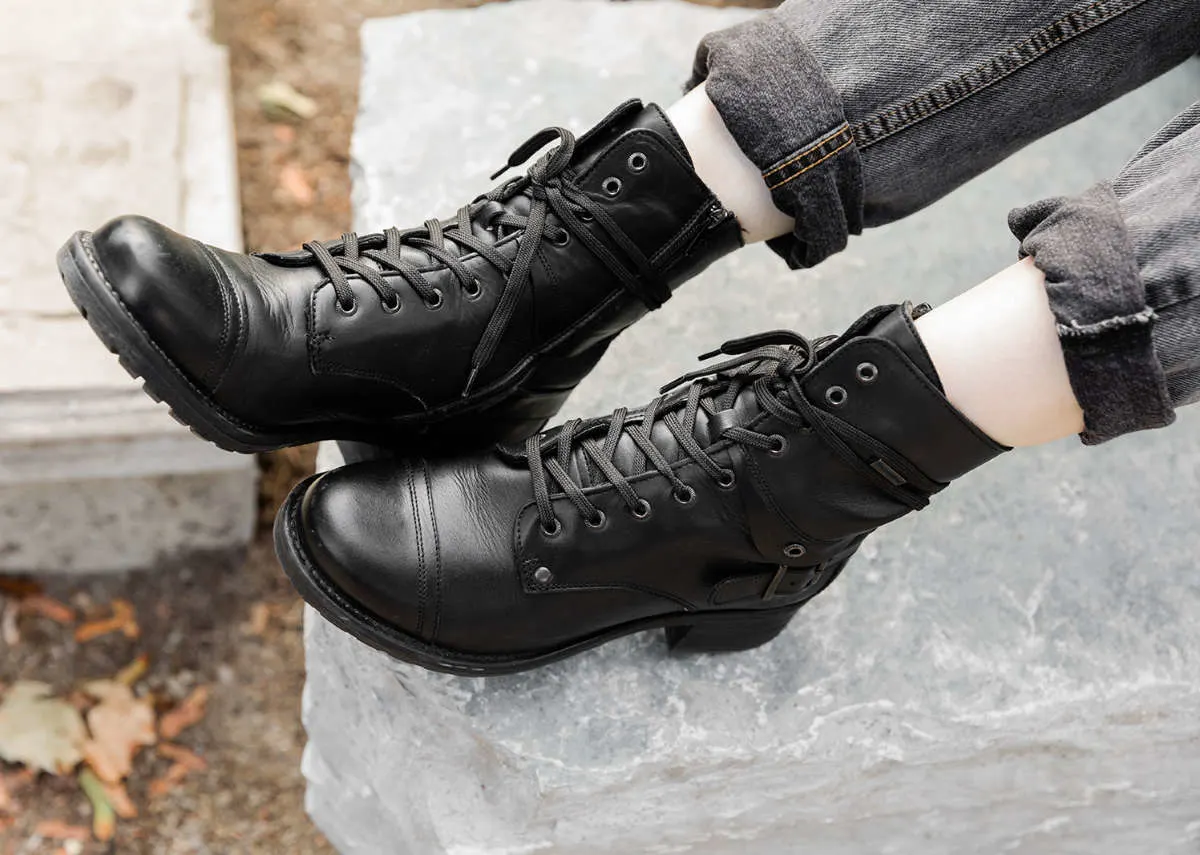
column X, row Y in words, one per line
column 228, row 622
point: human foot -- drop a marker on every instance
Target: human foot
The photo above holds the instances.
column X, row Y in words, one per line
column 450, row 336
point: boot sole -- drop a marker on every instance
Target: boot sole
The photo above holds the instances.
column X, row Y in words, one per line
column 166, row 383
column 688, row 632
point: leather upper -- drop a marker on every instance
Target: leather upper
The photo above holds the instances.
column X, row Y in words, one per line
column 455, row 553
column 266, row 337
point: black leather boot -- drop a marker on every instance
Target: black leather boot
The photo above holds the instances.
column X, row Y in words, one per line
column 457, row 334
column 715, row 511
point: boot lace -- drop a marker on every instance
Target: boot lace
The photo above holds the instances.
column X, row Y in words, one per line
column 772, row 365
column 550, row 187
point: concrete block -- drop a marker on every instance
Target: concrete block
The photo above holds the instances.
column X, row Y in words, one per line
column 1012, row 670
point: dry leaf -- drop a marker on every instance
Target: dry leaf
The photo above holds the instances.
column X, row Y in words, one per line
column 183, row 756
column 19, row 587
column 118, row 797
column 56, row 829
column 47, row 607
column 134, row 671
column 296, row 184
column 120, row 725
column 104, row 819
column 40, row 731
column 281, row 102
column 260, row 619
column 185, row 715
column 122, row 620
column 159, row 787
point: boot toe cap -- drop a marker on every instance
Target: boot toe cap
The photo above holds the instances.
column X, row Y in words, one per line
column 169, row 285
column 367, row 545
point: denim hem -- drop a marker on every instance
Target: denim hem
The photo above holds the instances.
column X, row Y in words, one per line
column 756, row 73
column 1105, row 327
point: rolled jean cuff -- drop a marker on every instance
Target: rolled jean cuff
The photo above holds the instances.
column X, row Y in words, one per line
column 1099, row 302
column 787, row 117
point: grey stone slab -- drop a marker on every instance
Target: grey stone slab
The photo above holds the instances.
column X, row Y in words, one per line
column 1012, row 670
column 113, row 108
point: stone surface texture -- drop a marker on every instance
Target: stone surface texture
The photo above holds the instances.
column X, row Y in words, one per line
column 1013, row 670
column 112, row 108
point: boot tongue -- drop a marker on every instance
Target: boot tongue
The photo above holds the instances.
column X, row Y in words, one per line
column 897, row 327
column 630, row 116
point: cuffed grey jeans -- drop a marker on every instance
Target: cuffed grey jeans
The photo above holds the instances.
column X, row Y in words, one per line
column 859, row 112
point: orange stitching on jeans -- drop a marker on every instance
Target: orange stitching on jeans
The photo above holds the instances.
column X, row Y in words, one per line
column 825, row 140
column 1123, row 6
column 813, row 164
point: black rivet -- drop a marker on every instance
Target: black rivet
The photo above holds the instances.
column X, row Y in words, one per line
column 542, row 575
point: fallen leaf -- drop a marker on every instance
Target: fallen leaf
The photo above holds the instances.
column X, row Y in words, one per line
column 120, row 725
column 56, row 829
column 118, row 797
column 185, row 715
column 183, row 756
column 296, row 184
column 260, row 619
column 8, row 623
column 104, row 819
column 134, row 671
column 47, row 607
column 40, row 731
column 159, row 787
column 122, row 620
column 281, row 102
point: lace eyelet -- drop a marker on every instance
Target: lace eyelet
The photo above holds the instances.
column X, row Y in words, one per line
column 728, row 479
column 392, row 307
column 344, row 309
column 684, row 496
column 598, row 521
column 779, row 445
column 866, row 372
column 641, row 510
column 561, row 239
column 637, row 161
column 585, row 217
column 475, row 290
column 794, row 550
column 612, row 185
column 554, row 530
column 836, row 396
column 437, row 302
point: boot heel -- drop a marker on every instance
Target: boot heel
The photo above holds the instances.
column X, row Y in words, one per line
column 717, row 633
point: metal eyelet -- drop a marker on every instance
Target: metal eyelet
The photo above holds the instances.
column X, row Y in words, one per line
column 866, row 372
column 728, row 479
column 392, row 307
column 778, row 445
column 794, row 550
column 437, row 302
column 543, row 575
column 611, row 185
column 554, row 530
column 836, row 396
column 475, row 290
column 585, row 217
column 598, row 521
column 346, row 310
column 637, row 161
column 684, row 496
column 641, row 510
column 561, row 239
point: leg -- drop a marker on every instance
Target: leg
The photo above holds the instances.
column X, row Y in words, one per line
column 855, row 113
